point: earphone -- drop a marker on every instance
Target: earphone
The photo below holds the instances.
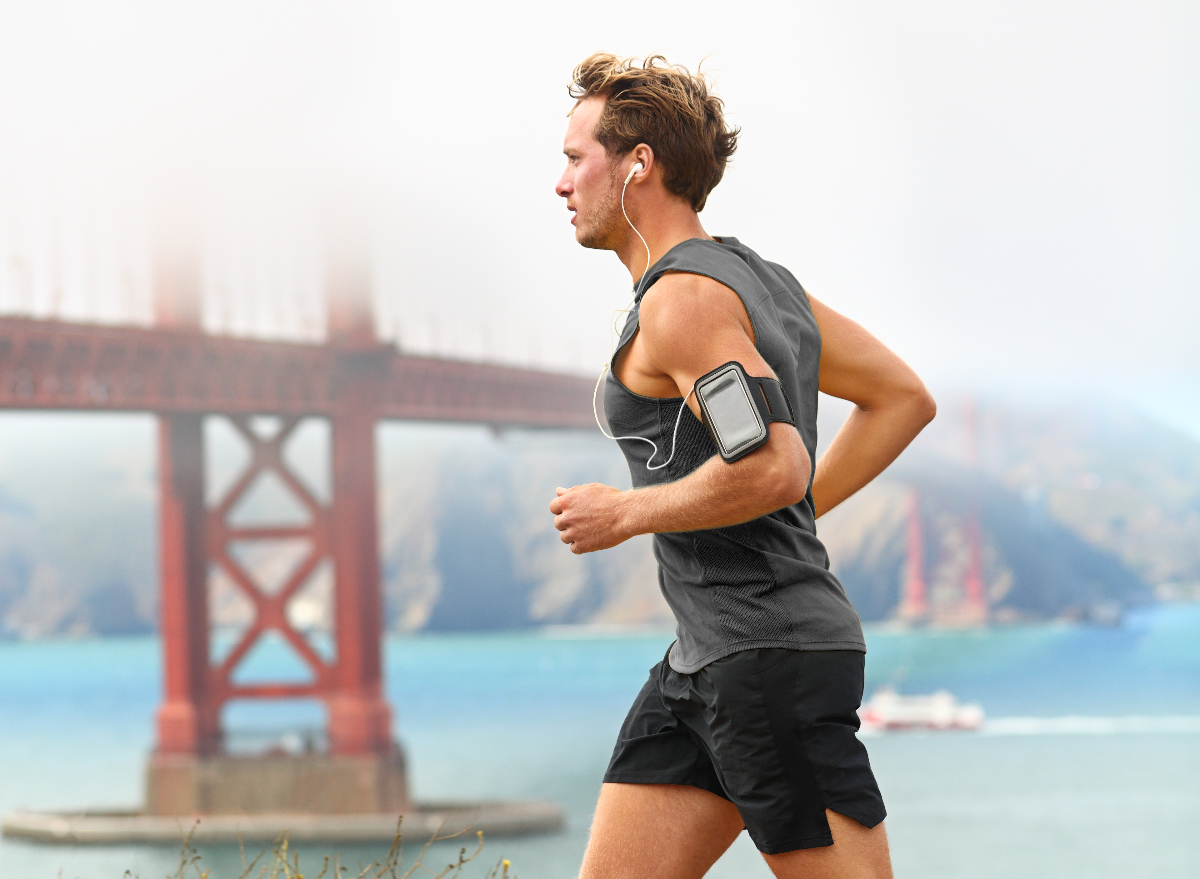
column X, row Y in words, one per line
column 637, row 166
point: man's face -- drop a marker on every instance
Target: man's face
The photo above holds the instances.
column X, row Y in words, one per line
column 591, row 183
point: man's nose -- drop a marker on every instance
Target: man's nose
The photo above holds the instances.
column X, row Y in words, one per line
column 563, row 186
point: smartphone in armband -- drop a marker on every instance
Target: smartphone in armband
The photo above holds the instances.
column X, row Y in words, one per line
column 737, row 407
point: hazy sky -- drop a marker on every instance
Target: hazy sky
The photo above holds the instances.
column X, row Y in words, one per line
column 1007, row 193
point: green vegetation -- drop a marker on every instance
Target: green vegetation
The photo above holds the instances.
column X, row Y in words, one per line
column 282, row 862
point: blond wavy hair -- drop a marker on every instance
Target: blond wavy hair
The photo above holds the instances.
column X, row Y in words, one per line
column 666, row 107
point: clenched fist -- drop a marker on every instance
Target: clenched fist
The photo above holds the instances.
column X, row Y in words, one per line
column 591, row 517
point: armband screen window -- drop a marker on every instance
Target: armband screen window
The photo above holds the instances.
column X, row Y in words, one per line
column 730, row 413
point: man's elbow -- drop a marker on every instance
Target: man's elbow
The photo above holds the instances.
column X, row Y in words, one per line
column 912, row 397
column 924, row 406
column 794, row 487
column 786, row 480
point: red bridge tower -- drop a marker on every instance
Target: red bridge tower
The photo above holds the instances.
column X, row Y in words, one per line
column 183, row 376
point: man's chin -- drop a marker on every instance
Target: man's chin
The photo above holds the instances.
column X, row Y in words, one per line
column 592, row 241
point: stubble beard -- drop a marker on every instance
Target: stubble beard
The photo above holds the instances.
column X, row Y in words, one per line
column 603, row 224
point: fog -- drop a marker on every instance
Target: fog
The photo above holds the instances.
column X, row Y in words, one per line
column 1006, row 193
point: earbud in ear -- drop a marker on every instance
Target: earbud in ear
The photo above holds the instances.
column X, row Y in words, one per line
column 636, row 167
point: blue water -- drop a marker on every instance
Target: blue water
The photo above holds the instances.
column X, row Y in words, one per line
column 535, row 714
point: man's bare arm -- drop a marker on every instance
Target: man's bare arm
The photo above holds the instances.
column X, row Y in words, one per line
column 714, row 495
column 690, row 325
column 891, row 407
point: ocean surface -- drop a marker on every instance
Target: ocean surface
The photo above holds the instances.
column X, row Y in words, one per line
column 1089, row 765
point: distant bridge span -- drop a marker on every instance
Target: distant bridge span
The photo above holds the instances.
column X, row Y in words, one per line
column 47, row 364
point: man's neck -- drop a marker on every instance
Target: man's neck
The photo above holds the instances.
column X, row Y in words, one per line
column 663, row 225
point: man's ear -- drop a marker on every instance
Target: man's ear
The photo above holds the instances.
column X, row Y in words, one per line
column 645, row 155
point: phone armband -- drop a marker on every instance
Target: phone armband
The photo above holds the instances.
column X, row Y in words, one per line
column 737, row 408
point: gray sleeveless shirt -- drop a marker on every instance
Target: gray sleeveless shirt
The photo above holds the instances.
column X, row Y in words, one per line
column 765, row 583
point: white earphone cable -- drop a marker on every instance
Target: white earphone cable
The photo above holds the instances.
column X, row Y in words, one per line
column 641, row 280
column 612, row 353
column 653, row 444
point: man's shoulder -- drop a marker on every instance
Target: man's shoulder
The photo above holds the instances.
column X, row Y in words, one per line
column 684, row 307
column 680, row 293
column 730, row 262
column 729, row 265
column 697, row 254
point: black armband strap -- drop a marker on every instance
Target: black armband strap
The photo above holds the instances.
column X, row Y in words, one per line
column 773, row 403
column 737, row 407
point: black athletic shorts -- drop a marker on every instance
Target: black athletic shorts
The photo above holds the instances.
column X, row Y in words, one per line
column 770, row 730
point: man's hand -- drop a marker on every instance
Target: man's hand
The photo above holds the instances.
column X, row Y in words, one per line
column 590, row 517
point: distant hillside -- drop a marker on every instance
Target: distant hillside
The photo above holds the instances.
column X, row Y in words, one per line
column 77, row 525
column 1120, row 481
column 1033, row 567
column 1079, row 509
column 469, row 541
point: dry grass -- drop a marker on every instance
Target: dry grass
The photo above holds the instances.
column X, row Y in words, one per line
column 283, row 862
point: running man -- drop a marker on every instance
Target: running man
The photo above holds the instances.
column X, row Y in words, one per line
column 750, row 720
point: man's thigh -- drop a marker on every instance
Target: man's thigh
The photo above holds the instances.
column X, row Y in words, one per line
column 857, row 853
column 664, row 831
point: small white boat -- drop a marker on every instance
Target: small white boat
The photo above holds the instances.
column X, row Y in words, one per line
column 888, row 710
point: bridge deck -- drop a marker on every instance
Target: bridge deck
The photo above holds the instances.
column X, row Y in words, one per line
column 57, row 365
